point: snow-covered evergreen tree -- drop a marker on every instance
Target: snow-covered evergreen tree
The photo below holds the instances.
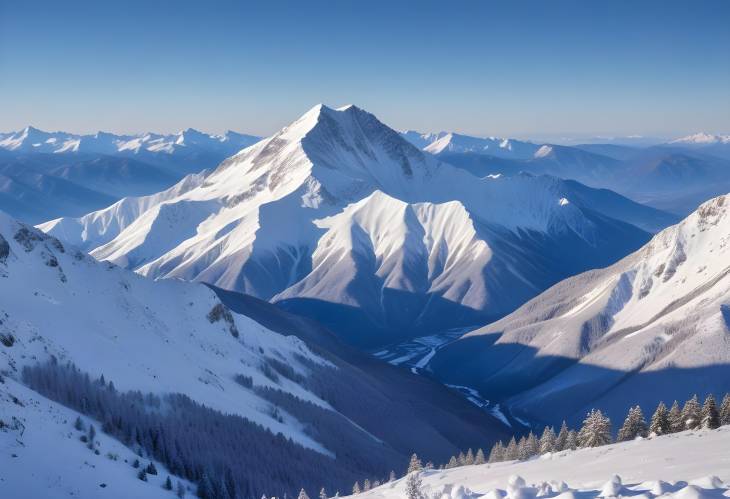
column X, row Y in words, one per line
column 522, row 452
column 497, row 453
column 453, row 463
column 691, row 414
column 302, row 494
column 391, row 477
column 469, row 459
column 725, row 410
column 675, row 418
column 479, row 458
column 571, row 443
column 414, row 486
column 322, row 493
column 547, row 440
column 414, row 464
column 596, row 430
column 660, row 424
column 710, row 416
column 511, row 452
column 532, row 444
column 461, row 459
column 634, row 425
column 562, row 437
column 79, row 424
column 365, row 485
column 356, row 488
column 168, row 483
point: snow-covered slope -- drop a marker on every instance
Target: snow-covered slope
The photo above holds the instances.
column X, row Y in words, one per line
column 449, row 142
column 338, row 217
column 142, row 334
column 691, row 464
column 654, row 326
column 59, row 305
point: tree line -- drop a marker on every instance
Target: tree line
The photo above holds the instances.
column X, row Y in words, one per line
column 225, row 455
column 596, row 430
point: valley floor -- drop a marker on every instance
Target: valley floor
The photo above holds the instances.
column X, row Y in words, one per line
column 687, row 465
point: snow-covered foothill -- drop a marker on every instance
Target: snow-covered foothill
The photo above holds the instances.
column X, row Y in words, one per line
column 690, row 464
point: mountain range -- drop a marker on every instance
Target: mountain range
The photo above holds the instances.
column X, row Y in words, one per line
column 653, row 326
column 47, row 174
column 339, row 218
column 676, row 176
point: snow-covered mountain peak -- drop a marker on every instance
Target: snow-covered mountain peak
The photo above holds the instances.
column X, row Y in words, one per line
column 660, row 314
column 543, row 152
column 702, row 138
column 339, row 208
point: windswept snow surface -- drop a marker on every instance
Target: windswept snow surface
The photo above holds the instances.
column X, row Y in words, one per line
column 649, row 328
column 691, row 464
column 338, row 217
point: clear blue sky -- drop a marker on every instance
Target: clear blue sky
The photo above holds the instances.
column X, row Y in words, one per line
column 483, row 67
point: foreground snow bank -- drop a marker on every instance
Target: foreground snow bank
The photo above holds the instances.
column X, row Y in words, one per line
column 691, row 464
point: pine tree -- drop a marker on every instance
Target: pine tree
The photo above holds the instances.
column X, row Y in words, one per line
column 322, row 494
column 710, row 417
column 142, row 475
column 461, row 459
column 302, row 494
column 533, row 445
column 414, row 486
column 497, row 453
column 634, row 425
column 168, row 483
column 356, row 488
column 511, row 452
column 180, row 490
column 522, row 449
column 366, row 485
column 547, row 440
column 391, row 477
column 452, row 463
column 479, row 458
column 571, row 443
column 151, row 469
column 469, row 460
column 660, row 421
column 562, row 438
column 79, row 424
column 205, row 488
column 725, row 410
column 596, row 430
column 414, row 464
column 135, row 463
column 691, row 414
column 675, row 418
